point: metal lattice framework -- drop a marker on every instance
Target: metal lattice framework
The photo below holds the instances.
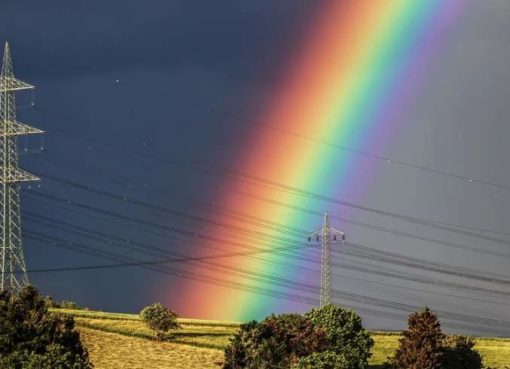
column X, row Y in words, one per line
column 12, row 262
column 326, row 236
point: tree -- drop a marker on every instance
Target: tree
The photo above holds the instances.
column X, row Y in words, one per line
column 459, row 353
column 275, row 343
column 345, row 331
column 421, row 346
column 425, row 347
column 32, row 337
column 298, row 341
column 159, row 319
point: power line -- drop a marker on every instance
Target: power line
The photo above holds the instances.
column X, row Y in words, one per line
column 381, row 158
column 252, row 122
column 279, row 226
column 218, row 171
column 240, row 215
column 497, row 324
column 409, row 277
column 243, row 272
column 414, row 262
column 454, row 225
column 347, row 266
column 450, row 227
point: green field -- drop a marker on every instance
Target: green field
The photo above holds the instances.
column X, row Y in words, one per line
column 122, row 341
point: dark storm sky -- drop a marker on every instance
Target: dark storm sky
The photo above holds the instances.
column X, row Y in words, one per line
column 141, row 75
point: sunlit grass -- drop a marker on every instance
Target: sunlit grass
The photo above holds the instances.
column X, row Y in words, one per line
column 115, row 351
column 212, row 336
column 121, row 316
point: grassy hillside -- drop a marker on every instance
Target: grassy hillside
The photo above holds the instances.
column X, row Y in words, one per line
column 121, row 341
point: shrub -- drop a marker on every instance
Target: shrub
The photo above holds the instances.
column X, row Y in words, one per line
column 323, row 360
column 291, row 340
column 421, row 347
column 159, row 319
column 31, row 337
column 459, row 353
column 346, row 333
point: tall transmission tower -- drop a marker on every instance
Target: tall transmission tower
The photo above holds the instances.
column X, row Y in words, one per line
column 326, row 236
column 12, row 262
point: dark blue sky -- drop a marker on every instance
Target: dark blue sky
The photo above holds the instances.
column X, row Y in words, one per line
column 152, row 77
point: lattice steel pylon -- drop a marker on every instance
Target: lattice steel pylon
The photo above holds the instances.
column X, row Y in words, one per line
column 12, row 262
column 327, row 235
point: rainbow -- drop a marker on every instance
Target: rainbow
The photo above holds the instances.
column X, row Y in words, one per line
column 359, row 66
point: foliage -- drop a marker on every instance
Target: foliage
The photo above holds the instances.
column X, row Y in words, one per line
column 421, row 344
column 459, row 353
column 31, row 337
column 323, row 360
column 424, row 346
column 346, row 333
column 50, row 303
column 237, row 353
column 65, row 304
column 159, row 319
column 278, row 342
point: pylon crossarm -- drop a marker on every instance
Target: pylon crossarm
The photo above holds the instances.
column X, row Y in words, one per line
column 18, row 129
column 15, row 175
column 12, row 84
column 337, row 234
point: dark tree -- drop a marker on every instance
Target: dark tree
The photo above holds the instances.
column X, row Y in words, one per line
column 459, row 352
column 33, row 337
column 421, row 346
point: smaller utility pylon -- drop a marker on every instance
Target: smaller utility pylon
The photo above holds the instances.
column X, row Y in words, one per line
column 326, row 236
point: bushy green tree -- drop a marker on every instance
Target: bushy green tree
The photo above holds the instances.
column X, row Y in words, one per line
column 422, row 343
column 294, row 340
column 32, row 337
column 459, row 352
column 344, row 329
column 159, row 319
